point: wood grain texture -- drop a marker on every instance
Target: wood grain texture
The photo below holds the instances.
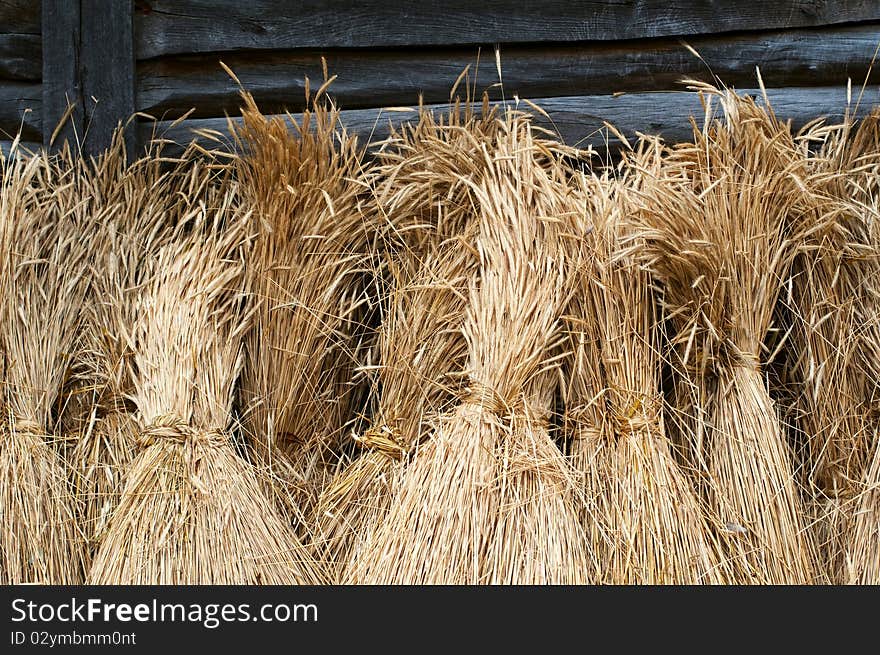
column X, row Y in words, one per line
column 20, row 57
column 20, row 40
column 20, row 16
column 578, row 120
column 88, row 61
column 107, row 71
column 169, row 87
column 61, row 71
column 21, row 109
column 165, row 27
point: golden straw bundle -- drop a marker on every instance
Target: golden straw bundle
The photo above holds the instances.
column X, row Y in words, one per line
column 721, row 222
column 136, row 200
column 42, row 288
column 489, row 498
column 192, row 511
column 426, row 208
column 656, row 531
column 861, row 193
column 310, row 272
column 830, row 305
column 421, row 351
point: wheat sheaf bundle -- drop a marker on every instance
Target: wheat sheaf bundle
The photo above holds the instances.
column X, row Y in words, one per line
column 42, row 287
column 831, row 305
column 421, row 353
column 488, row 496
column 721, row 223
column 861, row 543
column 425, row 208
column 310, row 272
column 654, row 527
column 136, row 200
column 192, row 510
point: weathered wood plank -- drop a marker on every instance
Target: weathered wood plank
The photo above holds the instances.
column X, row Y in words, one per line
column 107, row 71
column 578, row 120
column 88, row 61
column 61, row 78
column 169, row 87
column 20, row 109
column 166, row 27
column 20, row 57
column 20, row 16
column 20, row 39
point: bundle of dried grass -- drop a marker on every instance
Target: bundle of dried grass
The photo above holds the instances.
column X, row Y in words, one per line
column 42, row 287
column 721, row 223
column 656, row 533
column 489, row 498
column 860, row 192
column 861, row 562
column 425, row 206
column 135, row 201
column 192, row 511
column 310, row 272
column 421, row 354
column 421, row 195
column 585, row 424
column 829, row 306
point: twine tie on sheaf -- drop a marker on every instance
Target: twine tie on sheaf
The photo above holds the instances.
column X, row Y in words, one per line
column 32, row 429
column 519, row 410
column 26, row 426
column 643, row 416
column 384, row 439
column 174, row 429
column 584, row 423
column 487, row 398
column 747, row 360
column 29, row 428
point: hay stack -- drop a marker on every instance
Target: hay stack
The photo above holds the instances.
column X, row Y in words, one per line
column 721, row 224
column 42, row 288
column 655, row 528
column 192, row 511
column 489, row 498
column 310, row 272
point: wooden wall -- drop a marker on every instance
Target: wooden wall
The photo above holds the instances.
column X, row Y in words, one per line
column 584, row 62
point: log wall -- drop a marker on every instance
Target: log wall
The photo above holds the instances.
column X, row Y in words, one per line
column 584, row 62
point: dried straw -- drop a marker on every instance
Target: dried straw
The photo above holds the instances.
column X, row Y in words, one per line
column 310, row 273
column 42, row 287
column 135, row 201
column 829, row 304
column 721, row 224
column 426, row 208
column 655, row 531
column 193, row 511
column 422, row 352
column 489, row 498
column 861, row 194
